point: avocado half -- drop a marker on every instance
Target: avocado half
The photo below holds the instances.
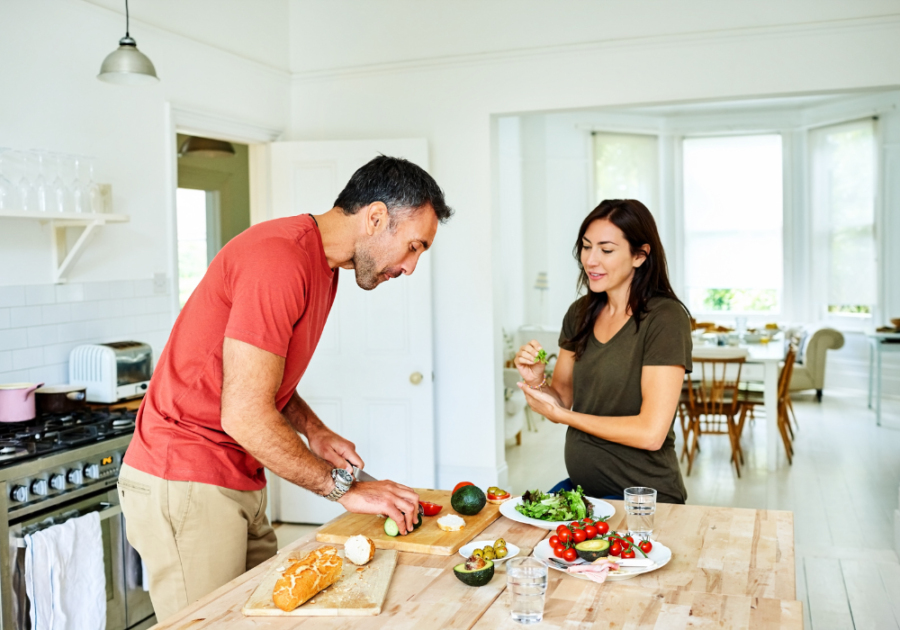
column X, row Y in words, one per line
column 476, row 577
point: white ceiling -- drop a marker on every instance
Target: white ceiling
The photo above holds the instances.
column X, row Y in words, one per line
column 347, row 33
column 256, row 30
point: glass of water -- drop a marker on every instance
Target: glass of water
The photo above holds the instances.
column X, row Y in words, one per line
column 526, row 582
column 640, row 508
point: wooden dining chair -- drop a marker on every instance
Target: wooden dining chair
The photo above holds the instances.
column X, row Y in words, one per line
column 713, row 404
column 750, row 399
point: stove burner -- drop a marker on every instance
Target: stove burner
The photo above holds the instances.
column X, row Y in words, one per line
column 52, row 433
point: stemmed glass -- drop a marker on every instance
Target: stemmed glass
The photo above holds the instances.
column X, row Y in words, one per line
column 58, row 189
column 7, row 189
column 94, row 196
column 39, row 191
column 80, row 197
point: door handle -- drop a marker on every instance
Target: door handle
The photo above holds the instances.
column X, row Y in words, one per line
column 415, row 378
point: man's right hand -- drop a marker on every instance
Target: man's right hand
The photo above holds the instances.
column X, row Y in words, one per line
column 383, row 497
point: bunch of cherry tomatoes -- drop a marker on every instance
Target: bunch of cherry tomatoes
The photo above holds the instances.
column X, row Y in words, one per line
column 567, row 536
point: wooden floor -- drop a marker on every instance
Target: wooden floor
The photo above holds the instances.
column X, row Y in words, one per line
column 843, row 489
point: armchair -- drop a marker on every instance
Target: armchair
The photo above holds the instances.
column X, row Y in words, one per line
column 809, row 369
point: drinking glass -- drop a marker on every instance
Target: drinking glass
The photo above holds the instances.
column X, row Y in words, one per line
column 59, row 192
column 80, row 196
column 39, row 193
column 94, row 196
column 526, row 582
column 640, row 508
column 8, row 193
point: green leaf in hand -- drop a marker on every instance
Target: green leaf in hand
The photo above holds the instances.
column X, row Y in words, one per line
column 542, row 356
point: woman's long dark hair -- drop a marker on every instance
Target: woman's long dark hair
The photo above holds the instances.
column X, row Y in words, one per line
column 650, row 280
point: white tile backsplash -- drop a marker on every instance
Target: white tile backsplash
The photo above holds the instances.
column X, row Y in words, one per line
column 41, row 324
column 22, row 316
column 37, row 294
column 12, row 296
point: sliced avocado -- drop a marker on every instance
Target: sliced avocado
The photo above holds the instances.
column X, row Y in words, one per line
column 591, row 550
column 476, row 577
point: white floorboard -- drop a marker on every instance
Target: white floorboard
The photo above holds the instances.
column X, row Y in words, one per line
column 842, row 489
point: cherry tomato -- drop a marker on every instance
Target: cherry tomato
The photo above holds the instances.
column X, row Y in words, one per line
column 554, row 540
column 615, row 549
column 559, row 530
column 591, row 532
column 431, row 509
column 559, row 551
column 565, row 536
column 587, row 520
column 629, row 538
column 461, row 484
column 625, row 546
column 570, row 555
column 646, row 546
column 574, row 524
column 602, row 527
column 579, row 535
column 628, row 554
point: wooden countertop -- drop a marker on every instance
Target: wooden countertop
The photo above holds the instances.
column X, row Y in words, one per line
column 731, row 567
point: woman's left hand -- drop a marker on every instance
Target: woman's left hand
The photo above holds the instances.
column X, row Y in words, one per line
column 542, row 402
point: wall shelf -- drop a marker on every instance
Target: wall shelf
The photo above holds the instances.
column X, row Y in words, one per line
column 62, row 255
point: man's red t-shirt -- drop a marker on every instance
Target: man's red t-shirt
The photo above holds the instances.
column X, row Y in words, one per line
column 270, row 287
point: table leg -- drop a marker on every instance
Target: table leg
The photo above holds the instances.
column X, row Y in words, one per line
column 878, row 385
column 871, row 363
column 770, row 397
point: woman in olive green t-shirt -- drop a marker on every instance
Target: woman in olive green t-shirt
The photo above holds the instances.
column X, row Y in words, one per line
column 624, row 350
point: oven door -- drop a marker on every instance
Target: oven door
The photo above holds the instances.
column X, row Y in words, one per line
column 107, row 504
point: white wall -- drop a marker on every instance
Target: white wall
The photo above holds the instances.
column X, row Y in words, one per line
column 451, row 101
column 51, row 100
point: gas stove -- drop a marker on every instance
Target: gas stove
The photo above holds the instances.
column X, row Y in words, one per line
column 21, row 441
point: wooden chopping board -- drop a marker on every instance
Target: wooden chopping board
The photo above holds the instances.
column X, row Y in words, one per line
column 429, row 538
column 360, row 591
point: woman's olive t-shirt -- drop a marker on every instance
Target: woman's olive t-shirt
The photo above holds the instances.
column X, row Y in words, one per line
column 606, row 381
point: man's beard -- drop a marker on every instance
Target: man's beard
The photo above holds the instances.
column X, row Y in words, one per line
column 368, row 276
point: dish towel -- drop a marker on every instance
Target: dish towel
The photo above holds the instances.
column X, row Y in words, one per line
column 64, row 575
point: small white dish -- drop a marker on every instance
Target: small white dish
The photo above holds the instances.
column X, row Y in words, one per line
column 466, row 550
column 660, row 554
column 602, row 509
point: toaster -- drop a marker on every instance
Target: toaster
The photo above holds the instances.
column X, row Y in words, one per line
column 112, row 371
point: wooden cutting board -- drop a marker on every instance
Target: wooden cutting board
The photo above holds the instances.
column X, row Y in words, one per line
column 429, row 538
column 360, row 591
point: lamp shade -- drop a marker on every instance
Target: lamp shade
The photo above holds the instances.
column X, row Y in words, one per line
column 127, row 65
column 195, row 146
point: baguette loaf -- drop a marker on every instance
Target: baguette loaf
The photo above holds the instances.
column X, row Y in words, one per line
column 307, row 576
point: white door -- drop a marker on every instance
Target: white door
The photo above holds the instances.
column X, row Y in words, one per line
column 364, row 378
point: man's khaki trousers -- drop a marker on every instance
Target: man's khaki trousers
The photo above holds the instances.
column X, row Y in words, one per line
column 193, row 537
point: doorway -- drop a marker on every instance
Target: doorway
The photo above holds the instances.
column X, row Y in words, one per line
column 212, row 204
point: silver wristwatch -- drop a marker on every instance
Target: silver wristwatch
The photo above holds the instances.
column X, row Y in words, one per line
column 342, row 482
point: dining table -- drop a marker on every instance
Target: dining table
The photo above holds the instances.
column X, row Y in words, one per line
column 730, row 567
column 879, row 343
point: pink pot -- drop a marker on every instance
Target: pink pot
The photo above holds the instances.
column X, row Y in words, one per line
column 17, row 401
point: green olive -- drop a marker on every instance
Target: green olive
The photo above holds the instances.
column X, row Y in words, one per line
column 490, row 554
column 501, row 552
column 500, row 543
column 478, row 553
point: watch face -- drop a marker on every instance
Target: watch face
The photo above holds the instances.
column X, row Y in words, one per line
column 343, row 476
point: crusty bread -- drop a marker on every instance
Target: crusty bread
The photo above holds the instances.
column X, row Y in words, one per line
column 359, row 549
column 451, row 523
column 307, row 576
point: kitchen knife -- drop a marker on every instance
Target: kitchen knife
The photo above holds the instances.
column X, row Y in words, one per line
column 361, row 475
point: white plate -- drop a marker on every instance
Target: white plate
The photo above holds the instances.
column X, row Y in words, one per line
column 660, row 554
column 466, row 550
column 602, row 509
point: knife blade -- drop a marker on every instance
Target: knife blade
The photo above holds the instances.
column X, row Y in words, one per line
column 361, row 475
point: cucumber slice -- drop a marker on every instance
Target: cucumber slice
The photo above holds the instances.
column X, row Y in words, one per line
column 390, row 527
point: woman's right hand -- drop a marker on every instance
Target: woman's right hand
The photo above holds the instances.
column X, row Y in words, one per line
column 531, row 370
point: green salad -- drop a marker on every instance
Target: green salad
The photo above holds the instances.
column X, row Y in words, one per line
column 566, row 505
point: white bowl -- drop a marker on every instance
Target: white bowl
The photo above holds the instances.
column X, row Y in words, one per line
column 466, row 550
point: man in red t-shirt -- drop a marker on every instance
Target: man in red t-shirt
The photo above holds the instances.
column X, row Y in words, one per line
column 222, row 404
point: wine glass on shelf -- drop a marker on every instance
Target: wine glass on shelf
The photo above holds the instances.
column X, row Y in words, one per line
column 59, row 192
column 27, row 201
column 94, row 194
column 8, row 193
column 80, row 198
column 40, row 190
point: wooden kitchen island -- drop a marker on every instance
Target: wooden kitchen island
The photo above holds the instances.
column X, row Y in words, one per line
column 731, row 568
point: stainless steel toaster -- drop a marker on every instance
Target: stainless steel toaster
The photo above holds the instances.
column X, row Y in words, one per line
column 112, row 371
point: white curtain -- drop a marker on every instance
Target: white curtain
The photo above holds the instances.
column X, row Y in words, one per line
column 733, row 221
column 626, row 166
column 843, row 205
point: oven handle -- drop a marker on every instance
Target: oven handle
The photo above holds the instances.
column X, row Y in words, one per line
column 109, row 510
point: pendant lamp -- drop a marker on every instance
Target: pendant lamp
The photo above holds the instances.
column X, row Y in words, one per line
column 127, row 65
column 196, row 146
